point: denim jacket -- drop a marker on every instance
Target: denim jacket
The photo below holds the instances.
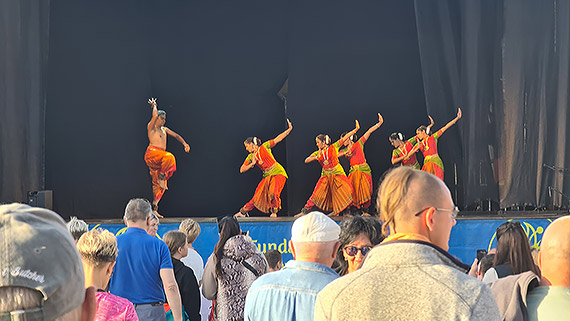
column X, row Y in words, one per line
column 288, row 294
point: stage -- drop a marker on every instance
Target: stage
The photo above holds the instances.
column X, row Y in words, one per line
column 474, row 230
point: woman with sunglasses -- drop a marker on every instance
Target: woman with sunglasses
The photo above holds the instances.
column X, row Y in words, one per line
column 358, row 235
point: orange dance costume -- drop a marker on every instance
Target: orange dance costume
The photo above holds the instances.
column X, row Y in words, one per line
column 432, row 162
column 161, row 163
column 333, row 192
column 360, row 175
column 407, row 148
column 267, row 196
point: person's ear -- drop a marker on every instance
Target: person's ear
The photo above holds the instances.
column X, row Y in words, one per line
column 539, row 259
column 125, row 220
column 89, row 306
column 335, row 249
column 430, row 219
column 148, row 218
column 292, row 247
column 110, row 267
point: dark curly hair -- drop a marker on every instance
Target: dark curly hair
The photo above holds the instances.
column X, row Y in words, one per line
column 350, row 229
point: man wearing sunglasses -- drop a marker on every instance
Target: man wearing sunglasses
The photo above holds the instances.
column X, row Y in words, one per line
column 410, row 275
column 290, row 294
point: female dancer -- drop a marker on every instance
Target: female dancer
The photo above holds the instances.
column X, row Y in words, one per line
column 267, row 196
column 405, row 152
column 428, row 145
column 360, row 175
column 333, row 191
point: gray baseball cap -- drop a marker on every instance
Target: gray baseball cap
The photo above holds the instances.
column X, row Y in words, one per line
column 38, row 252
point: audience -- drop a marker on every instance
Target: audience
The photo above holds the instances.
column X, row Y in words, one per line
column 274, row 260
column 513, row 254
column 144, row 272
column 410, row 276
column 98, row 251
column 153, row 226
column 358, row 235
column 230, row 271
column 485, row 264
column 187, row 284
column 290, row 294
column 193, row 260
column 42, row 274
column 528, row 296
column 77, row 227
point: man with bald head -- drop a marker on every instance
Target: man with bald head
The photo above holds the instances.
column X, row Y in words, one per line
column 551, row 300
column 527, row 296
column 410, row 275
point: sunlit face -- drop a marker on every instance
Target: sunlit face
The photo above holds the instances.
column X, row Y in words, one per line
column 421, row 134
column 153, row 227
column 320, row 144
column 161, row 120
column 354, row 262
column 251, row 147
column 348, row 143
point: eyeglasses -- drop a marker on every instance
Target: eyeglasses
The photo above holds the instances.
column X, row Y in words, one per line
column 454, row 211
column 353, row 250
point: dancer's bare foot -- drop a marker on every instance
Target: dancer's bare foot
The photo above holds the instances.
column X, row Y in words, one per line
column 162, row 184
column 300, row 214
column 239, row 214
column 158, row 214
column 331, row 214
column 365, row 214
column 274, row 215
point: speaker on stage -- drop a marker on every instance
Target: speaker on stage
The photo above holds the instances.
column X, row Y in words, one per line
column 41, row 199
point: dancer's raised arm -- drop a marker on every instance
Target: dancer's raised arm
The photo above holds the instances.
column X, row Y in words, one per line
column 179, row 138
column 452, row 122
column 284, row 134
column 152, row 122
column 374, row 127
column 343, row 139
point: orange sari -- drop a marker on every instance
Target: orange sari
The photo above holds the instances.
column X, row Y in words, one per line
column 159, row 161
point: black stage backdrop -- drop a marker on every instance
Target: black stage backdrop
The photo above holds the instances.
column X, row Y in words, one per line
column 216, row 67
column 24, row 35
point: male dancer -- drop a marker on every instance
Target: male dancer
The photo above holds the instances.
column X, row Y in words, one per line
column 161, row 163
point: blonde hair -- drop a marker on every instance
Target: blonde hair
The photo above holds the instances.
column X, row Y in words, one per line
column 393, row 198
column 191, row 229
column 174, row 240
column 98, row 247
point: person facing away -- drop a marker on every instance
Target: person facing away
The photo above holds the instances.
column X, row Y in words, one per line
column 144, row 272
column 187, row 284
column 42, row 275
column 410, row 275
column 274, row 259
column 528, row 296
column 77, row 227
column 290, row 294
column 98, row 249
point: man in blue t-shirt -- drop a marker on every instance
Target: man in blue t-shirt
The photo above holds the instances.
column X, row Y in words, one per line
column 144, row 267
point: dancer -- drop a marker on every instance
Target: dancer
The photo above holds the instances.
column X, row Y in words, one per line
column 428, row 145
column 333, row 191
column 267, row 196
column 405, row 152
column 161, row 163
column 360, row 174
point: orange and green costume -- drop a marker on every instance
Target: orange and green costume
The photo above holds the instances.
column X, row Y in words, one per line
column 333, row 192
column 432, row 162
column 267, row 196
column 360, row 175
column 161, row 163
column 404, row 151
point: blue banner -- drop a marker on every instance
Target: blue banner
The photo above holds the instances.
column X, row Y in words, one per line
column 466, row 237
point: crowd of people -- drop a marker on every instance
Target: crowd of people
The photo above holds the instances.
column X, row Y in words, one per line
column 394, row 267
